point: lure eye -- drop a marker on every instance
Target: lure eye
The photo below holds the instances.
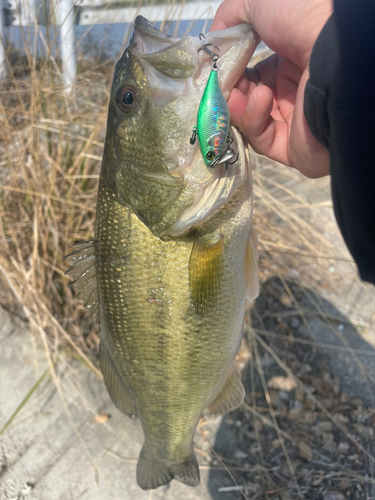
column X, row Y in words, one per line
column 126, row 99
column 210, row 155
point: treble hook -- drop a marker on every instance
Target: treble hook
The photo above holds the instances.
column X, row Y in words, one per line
column 214, row 57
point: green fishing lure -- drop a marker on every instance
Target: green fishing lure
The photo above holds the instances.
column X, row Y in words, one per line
column 213, row 121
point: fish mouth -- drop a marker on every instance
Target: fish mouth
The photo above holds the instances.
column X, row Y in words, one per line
column 181, row 58
column 236, row 47
column 147, row 39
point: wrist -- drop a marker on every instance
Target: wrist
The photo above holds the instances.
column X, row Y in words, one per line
column 290, row 27
column 315, row 18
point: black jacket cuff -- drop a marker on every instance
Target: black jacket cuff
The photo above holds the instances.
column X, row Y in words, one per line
column 322, row 65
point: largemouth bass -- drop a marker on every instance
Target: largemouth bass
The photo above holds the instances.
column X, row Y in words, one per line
column 174, row 257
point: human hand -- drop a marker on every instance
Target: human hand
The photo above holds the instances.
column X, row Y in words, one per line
column 267, row 102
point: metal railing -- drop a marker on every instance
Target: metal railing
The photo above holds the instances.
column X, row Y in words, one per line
column 67, row 13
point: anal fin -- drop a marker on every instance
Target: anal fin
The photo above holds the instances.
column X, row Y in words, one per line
column 205, row 270
column 114, row 385
column 83, row 271
column 230, row 397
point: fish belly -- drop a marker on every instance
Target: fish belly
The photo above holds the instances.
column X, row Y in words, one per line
column 172, row 359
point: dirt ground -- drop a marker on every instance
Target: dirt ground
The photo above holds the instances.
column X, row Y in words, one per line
column 306, row 429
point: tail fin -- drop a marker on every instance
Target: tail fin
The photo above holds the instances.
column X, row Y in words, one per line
column 152, row 473
column 187, row 472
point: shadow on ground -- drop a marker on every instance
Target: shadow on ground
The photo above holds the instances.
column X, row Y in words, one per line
column 66, row 441
column 296, row 328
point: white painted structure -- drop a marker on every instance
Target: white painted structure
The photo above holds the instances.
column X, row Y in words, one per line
column 3, row 66
column 67, row 13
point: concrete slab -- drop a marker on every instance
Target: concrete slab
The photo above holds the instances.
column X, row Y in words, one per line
column 54, row 449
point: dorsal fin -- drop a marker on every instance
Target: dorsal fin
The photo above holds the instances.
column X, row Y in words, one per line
column 83, row 271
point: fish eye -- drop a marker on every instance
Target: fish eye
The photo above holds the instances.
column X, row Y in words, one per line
column 210, row 155
column 126, row 99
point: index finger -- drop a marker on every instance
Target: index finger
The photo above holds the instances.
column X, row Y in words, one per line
column 230, row 13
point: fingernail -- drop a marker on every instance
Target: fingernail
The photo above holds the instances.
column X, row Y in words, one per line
column 253, row 101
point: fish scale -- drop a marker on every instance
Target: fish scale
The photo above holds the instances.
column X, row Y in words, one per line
column 174, row 256
column 162, row 397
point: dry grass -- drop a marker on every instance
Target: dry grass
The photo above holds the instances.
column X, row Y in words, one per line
column 50, row 151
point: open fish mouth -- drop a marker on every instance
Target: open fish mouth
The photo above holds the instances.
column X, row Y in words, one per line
column 180, row 58
column 147, row 39
column 168, row 77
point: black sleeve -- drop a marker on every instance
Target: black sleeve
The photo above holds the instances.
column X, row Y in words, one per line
column 339, row 108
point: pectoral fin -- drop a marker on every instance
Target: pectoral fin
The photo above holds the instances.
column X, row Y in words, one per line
column 115, row 387
column 230, row 397
column 205, row 270
column 251, row 267
column 83, row 271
